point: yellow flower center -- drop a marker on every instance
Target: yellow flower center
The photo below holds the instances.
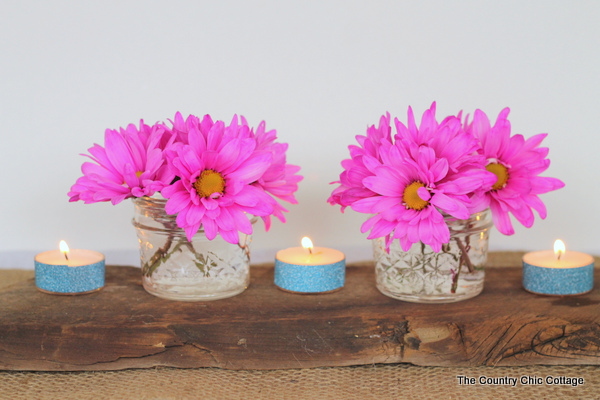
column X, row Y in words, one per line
column 209, row 182
column 501, row 173
column 138, row 174
column 411, row 199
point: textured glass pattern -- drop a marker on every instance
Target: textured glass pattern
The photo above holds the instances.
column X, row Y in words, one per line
column 420, row 275
column 177, row 269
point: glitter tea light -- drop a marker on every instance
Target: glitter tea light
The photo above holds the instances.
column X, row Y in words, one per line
column 66, row 271
column 309, row 269
column 558, row 272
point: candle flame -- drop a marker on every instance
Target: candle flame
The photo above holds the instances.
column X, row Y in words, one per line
column 307, row 244
column 64, row 248
column 559, row 248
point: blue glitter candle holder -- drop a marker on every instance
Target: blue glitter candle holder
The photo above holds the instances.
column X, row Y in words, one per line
column 310, row 275
column 70, row 279
column 562, row 280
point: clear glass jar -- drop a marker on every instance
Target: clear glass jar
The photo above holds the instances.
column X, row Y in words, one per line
column 177, row 269
column 421, row 275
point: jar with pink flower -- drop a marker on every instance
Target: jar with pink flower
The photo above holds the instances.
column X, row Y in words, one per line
column 198, row 186
column 432, row 191
column 422, row 275
column 178, row 268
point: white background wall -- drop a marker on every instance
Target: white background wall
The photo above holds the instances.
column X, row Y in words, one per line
column 317, row 71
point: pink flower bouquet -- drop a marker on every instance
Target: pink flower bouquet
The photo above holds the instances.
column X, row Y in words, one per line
column 189, row 175
column 212, row 174
column 408, row 182
column 429, row 190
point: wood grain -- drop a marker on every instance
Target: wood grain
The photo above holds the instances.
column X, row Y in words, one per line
column 265, row 328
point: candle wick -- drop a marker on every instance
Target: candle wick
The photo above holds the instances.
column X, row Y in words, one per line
column 310, row 250
column 559, row 255
column 66, row 256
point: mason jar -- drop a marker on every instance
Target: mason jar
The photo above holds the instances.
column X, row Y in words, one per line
column 421, row 275
column 178, row 269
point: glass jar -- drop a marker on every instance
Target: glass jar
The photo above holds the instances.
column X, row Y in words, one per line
column 177, row 269
column 421, row 275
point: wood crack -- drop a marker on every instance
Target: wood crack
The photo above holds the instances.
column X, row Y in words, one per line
column 585, row 337
column 490, row 354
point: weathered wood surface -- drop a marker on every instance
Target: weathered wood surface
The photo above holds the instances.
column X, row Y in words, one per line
column 264, row 328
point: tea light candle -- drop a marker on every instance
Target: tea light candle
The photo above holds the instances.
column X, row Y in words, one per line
column 67, row 271
column 558, row 272
column 309, row 269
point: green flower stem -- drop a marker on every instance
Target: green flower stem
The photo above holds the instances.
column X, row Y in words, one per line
column 464, row 256
column 245, row 248
column 161, row 256
column 455, row 279
column 174, row 243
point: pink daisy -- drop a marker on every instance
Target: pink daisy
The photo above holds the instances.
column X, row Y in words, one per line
column 516, row 164
column 444, row 138
column 216, row 170
column 414, row 194
column 351, row 187
column 130, row 164
column 280, row 179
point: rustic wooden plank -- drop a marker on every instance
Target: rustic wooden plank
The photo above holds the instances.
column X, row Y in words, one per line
column 264, row 328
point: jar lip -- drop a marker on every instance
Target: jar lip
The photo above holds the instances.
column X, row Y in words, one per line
column 473, row 215
column 149, row 199
column 477, row 221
